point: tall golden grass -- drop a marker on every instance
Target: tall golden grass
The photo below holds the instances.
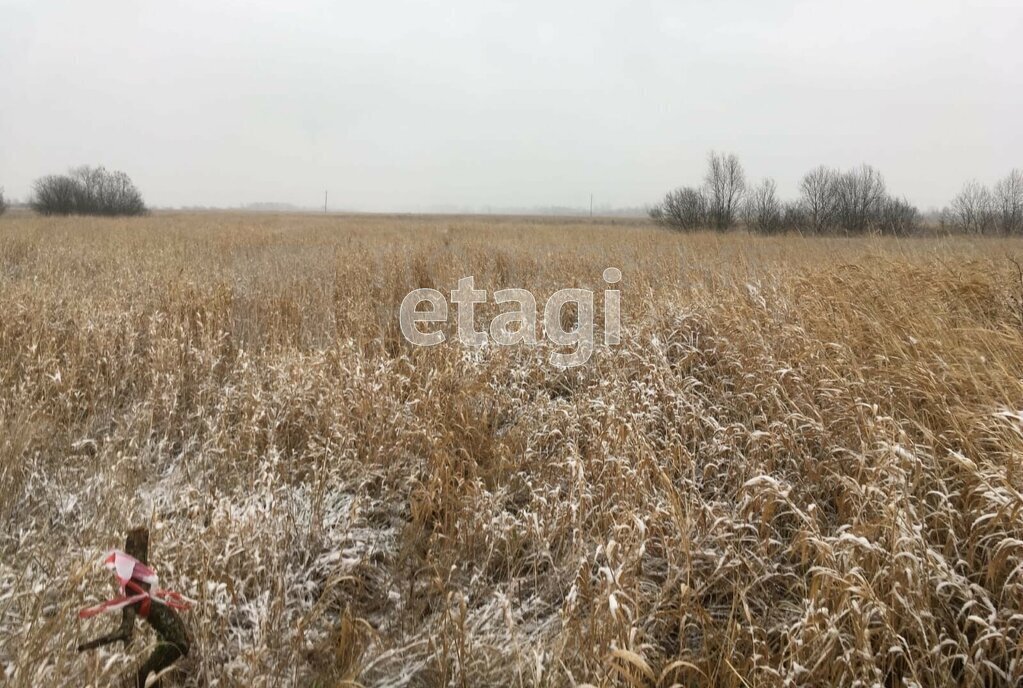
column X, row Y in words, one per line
column 801, row 466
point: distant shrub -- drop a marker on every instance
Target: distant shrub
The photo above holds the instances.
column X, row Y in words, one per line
column 762, row 210
column 87, row 191
column 795, row 216
column 972, row 211
column 898, row 217
column 1008, row 203
column 854, row 202
column 3, row 201
column 860, row 196
column 819, row 199
column 683, row 209
column 725, row 188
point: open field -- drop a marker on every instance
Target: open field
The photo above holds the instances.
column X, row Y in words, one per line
column 802, row 466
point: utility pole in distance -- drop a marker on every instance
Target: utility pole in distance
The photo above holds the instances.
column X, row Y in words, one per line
column 591, row 205
column 324, row 201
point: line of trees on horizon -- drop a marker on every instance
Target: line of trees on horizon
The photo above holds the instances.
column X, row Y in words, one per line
column 87, row 190
column 979, row 210
column 831, row 201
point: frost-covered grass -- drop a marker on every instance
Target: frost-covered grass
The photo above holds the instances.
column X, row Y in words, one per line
column 801, row 467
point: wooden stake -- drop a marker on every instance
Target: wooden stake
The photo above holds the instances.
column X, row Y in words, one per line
column 175, row 640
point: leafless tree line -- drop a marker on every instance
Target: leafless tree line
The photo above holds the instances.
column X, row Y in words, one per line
column 87, row 191
column 831, row 201
column 855, row 201
column 3, row 201
column 714, row 204
column 979, row 210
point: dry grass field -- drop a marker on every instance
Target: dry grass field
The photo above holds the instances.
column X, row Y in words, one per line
column 802, row 465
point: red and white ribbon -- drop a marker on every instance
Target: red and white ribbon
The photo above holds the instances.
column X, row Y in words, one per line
column 141, row 582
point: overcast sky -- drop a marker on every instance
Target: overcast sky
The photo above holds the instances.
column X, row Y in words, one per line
column 412, row 105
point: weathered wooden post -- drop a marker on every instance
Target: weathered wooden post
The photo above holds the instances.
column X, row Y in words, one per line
column 175, row 640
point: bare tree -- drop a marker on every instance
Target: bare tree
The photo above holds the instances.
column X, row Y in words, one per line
column 88, row 182
column 972, row 211
column 762, row 211
column 683, row 209
column 725, row 184
column 1008, row 203
column 819, row 196
column 87, row 191
column 860, row 194
column 54, row 195
column 3, row 202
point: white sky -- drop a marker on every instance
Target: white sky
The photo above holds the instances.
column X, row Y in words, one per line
column 412, row 105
